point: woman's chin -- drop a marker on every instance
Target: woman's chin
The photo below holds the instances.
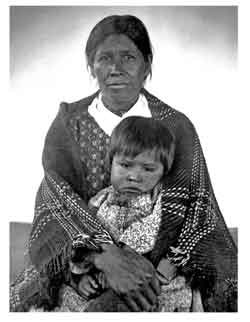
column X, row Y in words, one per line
column 118, row 92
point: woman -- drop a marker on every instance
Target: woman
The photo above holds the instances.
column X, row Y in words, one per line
column 193, row 236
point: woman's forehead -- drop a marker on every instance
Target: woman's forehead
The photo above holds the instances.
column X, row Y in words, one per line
column 117, row 42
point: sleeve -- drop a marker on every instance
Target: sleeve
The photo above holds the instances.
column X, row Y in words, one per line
column 193, row 234
column 61, row 211
column 205, row 250
column 61, row 219
column 61, row 152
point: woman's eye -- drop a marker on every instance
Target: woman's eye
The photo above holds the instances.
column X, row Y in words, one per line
column 129, row 58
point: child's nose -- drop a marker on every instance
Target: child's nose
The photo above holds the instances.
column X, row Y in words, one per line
column 134, row 176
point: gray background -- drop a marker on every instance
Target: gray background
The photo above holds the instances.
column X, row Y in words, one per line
column 194, row 70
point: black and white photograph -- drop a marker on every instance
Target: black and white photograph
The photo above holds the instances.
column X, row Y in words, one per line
column 124, row 144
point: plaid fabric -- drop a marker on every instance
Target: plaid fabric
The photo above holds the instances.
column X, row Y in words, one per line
column 192, row 234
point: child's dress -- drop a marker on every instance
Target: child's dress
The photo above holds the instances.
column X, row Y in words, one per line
column 135, row 222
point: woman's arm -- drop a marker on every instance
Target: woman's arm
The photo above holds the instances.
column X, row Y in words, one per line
column 204, row 249
column 62, row 216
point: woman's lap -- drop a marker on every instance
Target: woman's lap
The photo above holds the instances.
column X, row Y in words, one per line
column 174, row 297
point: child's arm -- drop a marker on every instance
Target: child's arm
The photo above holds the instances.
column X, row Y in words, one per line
column 86, row 280
column 88, row 286
column 83, row 274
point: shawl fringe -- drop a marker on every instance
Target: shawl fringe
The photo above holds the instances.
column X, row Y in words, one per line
column 193, row 233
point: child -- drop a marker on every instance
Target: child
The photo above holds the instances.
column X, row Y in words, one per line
column 140, row 156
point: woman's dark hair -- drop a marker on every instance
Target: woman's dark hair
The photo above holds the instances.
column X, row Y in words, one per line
column 137, row 134
column 127, row 25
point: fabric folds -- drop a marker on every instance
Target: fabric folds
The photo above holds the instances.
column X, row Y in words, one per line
column 192, row 235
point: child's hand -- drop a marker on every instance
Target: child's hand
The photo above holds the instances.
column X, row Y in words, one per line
column 87, row 286
column 80, row 267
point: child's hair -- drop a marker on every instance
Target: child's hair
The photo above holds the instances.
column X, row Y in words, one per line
column 137, row 134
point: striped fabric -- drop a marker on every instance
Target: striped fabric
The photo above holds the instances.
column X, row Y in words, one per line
column 192, row 234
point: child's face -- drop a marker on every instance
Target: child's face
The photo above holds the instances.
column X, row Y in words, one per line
column 136, row 175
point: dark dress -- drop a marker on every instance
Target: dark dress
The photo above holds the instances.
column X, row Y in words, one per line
column 193, row 234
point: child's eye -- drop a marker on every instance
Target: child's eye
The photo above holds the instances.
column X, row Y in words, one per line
column 103, row 58
column 124, row 164
column 149, row 169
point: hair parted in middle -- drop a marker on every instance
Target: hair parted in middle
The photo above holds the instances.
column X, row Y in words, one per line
column 137, row 134
column 127, row 25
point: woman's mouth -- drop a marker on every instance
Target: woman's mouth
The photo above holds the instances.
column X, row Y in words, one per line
column 117, row 85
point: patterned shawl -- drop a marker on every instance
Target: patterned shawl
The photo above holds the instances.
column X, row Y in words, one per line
column 192, row 235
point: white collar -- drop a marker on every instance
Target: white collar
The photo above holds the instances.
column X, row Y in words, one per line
column 108, row 120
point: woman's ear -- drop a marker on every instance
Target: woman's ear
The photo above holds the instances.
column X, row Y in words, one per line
column 92, row 72
column 147, row 69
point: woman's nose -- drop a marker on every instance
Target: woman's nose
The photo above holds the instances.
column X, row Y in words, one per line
column 116, row 67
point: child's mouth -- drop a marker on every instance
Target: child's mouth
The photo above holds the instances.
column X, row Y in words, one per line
column 131, row 190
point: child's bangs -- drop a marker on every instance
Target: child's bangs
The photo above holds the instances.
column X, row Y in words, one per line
column 133, row 150
column 130, row 150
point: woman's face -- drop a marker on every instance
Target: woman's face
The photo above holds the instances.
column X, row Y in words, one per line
column 119, row 68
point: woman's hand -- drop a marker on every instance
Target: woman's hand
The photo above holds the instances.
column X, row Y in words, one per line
column 165, row 271
column 130, row 275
